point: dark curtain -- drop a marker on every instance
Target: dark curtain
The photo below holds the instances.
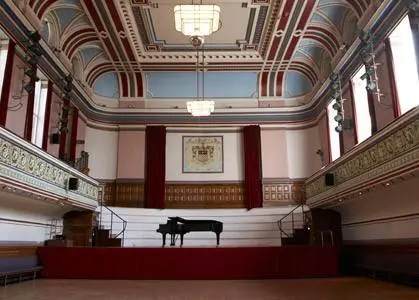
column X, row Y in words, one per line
column 155, row 167
column 252, row 167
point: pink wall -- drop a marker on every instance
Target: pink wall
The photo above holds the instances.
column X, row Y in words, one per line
column 324, row 138
column 131, row 154
column 383, row 109
column 387, row 212
column 274, row 153
column 53, row 124
column 18, row 100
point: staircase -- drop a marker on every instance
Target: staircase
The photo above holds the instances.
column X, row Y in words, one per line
column 104, row 237
column 295, row 227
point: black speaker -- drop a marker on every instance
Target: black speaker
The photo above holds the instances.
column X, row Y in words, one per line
column 73, row 183
column 329, row 179
column 55, row 138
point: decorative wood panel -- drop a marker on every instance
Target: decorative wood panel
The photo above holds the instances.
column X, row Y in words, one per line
column 78, row 226
column 109, row 193
column 205, row 195
column 124, row 194
column 17, row 250
column 277, row 193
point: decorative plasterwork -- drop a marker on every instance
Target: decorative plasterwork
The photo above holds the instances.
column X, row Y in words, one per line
column 273, row 72
column 389, row 154
column 25, row 166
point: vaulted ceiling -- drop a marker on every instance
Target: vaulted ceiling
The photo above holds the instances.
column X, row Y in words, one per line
column 289, row 43
column 290, row 47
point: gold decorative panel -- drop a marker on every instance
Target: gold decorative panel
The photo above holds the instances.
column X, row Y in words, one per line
column 109, row 193
column 124, row 194
column 283, row 193
column 205, row 195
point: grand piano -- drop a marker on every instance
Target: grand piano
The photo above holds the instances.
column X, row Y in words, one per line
column 179, row 226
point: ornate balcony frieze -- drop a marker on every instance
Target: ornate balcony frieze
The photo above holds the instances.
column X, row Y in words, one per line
column 27, row 167
column 390, row 153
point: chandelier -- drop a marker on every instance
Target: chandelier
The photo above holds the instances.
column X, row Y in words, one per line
column 200, row 107
column 197, row 20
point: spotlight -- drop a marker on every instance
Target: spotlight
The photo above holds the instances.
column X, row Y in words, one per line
column 339, row 128
column 337, row 106
column 371, row 86
column 31, row 73
column 338, row 118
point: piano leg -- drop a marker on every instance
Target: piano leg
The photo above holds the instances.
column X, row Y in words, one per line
column 172, row 239
column 218, row 239
column 181, row 239
column 164, row 239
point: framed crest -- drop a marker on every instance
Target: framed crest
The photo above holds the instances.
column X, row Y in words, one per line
column 202, row 154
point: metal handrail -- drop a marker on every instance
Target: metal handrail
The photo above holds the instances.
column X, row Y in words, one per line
column 124, row 222
column 281, row 231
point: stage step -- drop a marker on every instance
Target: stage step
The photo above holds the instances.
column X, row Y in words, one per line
column 103, row 238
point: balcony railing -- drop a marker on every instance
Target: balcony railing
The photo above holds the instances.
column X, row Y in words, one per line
column 390, row 153
column 28, row 170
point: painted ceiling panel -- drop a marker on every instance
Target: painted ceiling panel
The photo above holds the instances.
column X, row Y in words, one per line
column 89, row 53
column 66, row 15
column 296, row 84
column 107, row 85
column 265, row 48
column 217, row 84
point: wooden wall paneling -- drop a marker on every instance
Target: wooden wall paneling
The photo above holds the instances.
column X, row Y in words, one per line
column 17, row 250
column 205, row 195
column 78, row 227
column 283, row 193
column 109, row 193
column 129, row 194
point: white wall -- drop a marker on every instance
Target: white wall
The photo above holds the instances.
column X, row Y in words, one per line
column 274, row 153
column 301, row 149
column 102, row 147
column 233, row 157
column 16, row 208
column 386, row 213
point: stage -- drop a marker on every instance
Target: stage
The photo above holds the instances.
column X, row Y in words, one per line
column 189, row 263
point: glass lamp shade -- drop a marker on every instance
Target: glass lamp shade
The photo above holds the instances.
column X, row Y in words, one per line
column 197, row 20
column 200, row 108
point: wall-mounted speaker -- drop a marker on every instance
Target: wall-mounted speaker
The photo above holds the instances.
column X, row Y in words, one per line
column 329, row 179
column 73, row 183
column 55, row 138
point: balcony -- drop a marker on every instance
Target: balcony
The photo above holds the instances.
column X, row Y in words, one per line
column 391, row 154
column 29, row 171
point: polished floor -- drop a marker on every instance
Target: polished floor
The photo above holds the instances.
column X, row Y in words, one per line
column 324, row 289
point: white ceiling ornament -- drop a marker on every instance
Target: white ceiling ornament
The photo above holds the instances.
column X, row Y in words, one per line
column 197, row 20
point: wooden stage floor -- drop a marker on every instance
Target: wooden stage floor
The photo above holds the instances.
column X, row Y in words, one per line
column 295, row 289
